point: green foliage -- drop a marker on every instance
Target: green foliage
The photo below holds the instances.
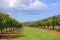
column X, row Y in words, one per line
column 51, row 21
column 7, row 22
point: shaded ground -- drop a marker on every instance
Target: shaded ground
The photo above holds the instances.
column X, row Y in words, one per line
column 29, row 33
column 10, row 36
column 13, row 35
column 4, row 36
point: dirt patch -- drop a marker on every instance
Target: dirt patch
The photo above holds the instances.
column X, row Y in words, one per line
column 13, row 36
column 8, row 36
column 53, row 31
column 50, row 30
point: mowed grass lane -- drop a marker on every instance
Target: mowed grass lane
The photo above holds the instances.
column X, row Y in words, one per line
column 37, row 34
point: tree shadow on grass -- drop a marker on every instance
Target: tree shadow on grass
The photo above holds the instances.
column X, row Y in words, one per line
column 11, row 33
column 12, row 36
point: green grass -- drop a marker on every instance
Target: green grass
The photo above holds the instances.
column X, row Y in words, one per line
column 29, row 33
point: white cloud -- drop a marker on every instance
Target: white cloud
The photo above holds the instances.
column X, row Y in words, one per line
column 37, row 4
column 22, row 4
column 9, row 3
column 12, row 3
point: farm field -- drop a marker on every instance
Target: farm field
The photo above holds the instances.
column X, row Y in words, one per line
column 29, row 33
column 29, row 20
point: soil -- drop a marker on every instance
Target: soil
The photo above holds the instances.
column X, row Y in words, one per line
column 50, row 30
column 9, row 35
column 53, row 31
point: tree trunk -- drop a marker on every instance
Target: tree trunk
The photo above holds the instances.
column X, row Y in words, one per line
column 1, row 31
column 53, row 27
column 44, row 26
column 41, row 26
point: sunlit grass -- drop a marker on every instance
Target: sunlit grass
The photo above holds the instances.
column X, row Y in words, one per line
column 37, row 34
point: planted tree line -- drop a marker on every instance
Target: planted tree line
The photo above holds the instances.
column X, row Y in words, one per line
column 53, row 22
column 8, row 23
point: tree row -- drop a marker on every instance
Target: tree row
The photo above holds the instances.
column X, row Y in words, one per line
column 53, row 22
column 8, row 23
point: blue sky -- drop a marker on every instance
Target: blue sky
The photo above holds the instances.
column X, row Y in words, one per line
column 30, row 10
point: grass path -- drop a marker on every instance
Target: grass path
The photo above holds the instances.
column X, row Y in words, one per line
column 29, row 33
column 37, row 34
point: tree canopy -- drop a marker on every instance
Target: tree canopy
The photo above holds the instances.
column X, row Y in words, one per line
column 8, row 22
